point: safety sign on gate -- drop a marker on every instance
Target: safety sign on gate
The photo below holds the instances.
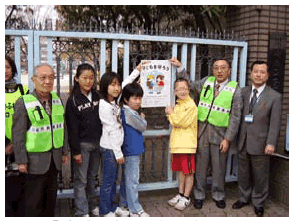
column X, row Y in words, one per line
column 155, row 80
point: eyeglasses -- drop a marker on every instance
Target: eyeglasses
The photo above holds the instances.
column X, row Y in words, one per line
column 222, row 68
column 43, row 78
column 181, row 89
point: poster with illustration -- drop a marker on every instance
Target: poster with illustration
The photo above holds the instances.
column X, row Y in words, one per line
column 155, row 81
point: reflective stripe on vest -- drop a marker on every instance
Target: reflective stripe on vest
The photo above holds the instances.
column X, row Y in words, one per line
column 10, row 99
column 42, row 136
column 221, row 107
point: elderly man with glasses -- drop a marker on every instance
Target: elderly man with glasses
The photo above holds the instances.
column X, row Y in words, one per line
column 38, row 140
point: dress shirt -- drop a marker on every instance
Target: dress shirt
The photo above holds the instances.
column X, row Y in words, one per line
column 260, row 89
column 222, row 85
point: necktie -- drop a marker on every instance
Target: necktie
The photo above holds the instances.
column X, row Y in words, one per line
column 47, row 107
column 253, row 100
column 216, row 90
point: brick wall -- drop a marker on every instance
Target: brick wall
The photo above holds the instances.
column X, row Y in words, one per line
column 279, row 179
column 256, row 22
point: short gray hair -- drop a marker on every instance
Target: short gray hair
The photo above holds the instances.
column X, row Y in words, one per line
column 35, row 71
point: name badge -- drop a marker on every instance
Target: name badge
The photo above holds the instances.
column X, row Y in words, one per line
column 249, row 118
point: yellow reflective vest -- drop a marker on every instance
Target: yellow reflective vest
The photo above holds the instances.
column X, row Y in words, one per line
column 44, row 132
column 10, row 99
column 221, row 106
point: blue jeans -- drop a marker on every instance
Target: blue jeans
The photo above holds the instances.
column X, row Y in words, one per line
column 84, row 178
column 108, row 189
column 131, row 170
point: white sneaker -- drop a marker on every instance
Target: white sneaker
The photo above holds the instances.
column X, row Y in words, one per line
column 174, row 200
column 110, row 214
column 134, row 214
column 95, row 211
column 122, row 212
column 142, row 214
column 182, row 203
column 86, row 215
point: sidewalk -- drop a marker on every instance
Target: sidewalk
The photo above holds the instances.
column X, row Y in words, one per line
column 155, row 203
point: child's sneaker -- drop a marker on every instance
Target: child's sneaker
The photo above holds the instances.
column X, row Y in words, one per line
column 110, row 214
column 182, row 203
column 142, row 214
column 95, row 211
column 174, row 200
column 121, row 212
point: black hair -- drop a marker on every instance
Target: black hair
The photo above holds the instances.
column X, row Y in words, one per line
column 12, row 65
column 222, row 59
column 132, row 89
column 105, row 81
column 80, row 69
column 180, row 80
column 259, row 63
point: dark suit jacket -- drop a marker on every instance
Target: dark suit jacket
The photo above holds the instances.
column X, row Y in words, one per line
column 266, row 125
column 38, row 163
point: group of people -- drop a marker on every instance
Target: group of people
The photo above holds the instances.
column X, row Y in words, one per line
column 227, row 115
column 107, row 126
column 98, row 125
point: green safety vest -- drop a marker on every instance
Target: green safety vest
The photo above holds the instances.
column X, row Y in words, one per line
column 10, row 99
column 221, row 107
column 44, row 134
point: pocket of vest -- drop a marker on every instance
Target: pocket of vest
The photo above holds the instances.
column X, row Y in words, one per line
column 209, row 95
column 39, row 115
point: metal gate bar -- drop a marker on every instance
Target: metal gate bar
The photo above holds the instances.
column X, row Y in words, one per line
column 239, row 57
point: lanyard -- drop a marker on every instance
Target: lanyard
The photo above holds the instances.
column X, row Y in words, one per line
column 255, row 101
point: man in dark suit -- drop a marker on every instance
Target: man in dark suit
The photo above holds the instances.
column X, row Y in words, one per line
column 258, row 136
column 38, row 141
column 219, row 114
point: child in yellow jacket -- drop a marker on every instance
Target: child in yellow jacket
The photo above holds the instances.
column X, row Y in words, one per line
column 183, row 141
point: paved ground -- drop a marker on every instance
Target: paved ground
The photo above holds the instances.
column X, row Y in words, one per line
column 155, row 203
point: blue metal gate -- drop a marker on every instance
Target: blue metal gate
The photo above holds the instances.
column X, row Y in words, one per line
column 190, row 49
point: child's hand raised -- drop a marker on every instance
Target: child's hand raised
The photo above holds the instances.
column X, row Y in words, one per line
column 175, row 62
column 143, row 115
column 139, row 67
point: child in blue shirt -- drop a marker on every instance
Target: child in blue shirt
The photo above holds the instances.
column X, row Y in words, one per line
column 133, row 145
